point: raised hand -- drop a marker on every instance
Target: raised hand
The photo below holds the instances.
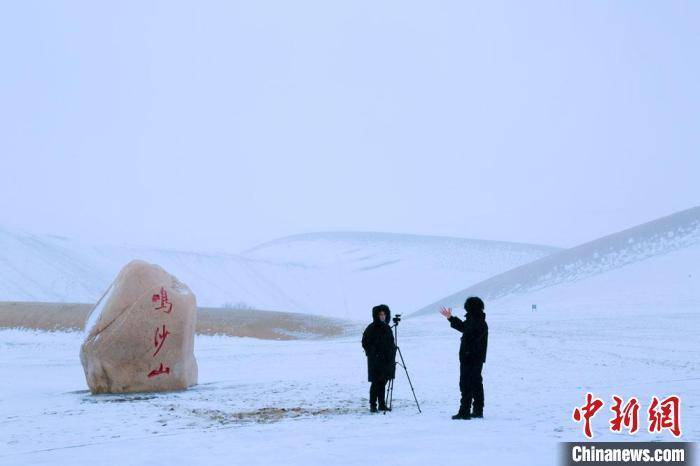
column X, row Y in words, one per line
column 446, row 312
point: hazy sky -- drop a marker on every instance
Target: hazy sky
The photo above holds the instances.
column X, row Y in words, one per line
column 218, row 125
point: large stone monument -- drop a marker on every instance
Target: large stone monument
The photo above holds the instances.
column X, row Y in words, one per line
column 140, row 335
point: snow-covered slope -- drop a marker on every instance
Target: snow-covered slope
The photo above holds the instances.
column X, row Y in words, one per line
column 345, row 274
column 338, row 275
column 654, row 263
column 49, row 268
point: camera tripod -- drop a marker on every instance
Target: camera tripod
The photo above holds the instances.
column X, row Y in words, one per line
column 390, row 386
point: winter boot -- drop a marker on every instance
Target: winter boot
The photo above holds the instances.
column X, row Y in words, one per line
column 462, row 414
column 372, row 408
column 478, row 413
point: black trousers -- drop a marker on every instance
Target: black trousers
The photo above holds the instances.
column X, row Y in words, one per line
column 472, row 387
column 376, row 391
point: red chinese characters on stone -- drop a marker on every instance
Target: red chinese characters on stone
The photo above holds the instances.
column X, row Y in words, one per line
column 586, row 413
column 665, row 414
column 159, row 338
column 626, row 416
column 161, row 301
column 159, row 371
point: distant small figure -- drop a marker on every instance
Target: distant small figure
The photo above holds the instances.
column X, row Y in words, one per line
column 378, row 343
column 534, row 307
column 472, row 356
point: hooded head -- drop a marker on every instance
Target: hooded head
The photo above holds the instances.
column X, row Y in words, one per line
column 381, row 308
column 474, row 307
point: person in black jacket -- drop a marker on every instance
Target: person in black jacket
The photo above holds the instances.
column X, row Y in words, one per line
column 472, row 356
column 378, row 343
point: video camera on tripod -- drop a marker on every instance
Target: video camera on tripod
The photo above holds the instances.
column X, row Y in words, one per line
column 390, row 387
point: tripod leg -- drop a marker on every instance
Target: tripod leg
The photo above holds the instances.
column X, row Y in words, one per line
column 403, row 364
column 389, row 393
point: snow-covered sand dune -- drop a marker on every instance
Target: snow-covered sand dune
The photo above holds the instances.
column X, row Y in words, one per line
column 345, row 274
column 333, row 274
column 657, row 262
column 56, row 269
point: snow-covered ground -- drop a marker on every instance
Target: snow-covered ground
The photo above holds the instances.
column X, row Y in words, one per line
column 615, row 316
column 305, row 402
column 332, row 274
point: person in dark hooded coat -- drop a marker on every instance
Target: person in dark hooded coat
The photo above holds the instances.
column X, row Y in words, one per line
column 472, row 356
column 378, row 343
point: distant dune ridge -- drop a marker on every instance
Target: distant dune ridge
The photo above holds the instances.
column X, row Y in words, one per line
column 343, row 274
column 664, row 254
column 333, row 274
